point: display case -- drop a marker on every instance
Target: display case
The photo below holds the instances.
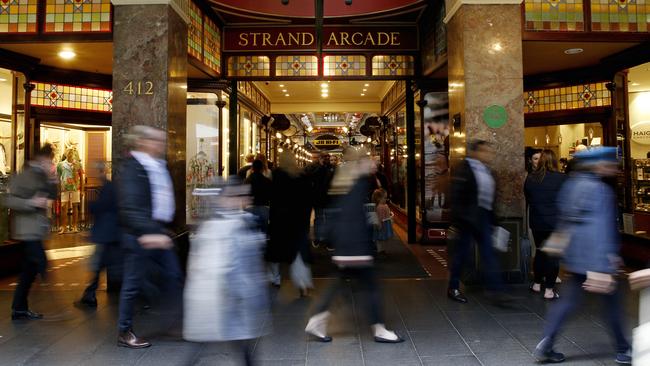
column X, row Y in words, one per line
column 641, row 185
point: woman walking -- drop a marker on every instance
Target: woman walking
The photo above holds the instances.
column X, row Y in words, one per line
column 541, row 189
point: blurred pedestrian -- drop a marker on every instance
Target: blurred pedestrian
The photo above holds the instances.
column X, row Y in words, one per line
column 105, row 233
column 384, row 229
column 472, row 215
column 351, row 234
column 146, row 208
column 226, row 296
column 243, row 171
column 590, row 250
column 28, row 196
column 261, row 190
column 321, row 179
column 541, row 189
column 289, row 224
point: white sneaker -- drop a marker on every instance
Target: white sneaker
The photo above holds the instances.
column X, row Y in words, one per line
column 383, row 335
column 317, row 326
column 558, row 279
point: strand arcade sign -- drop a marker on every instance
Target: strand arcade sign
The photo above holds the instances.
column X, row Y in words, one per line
column 302, row 38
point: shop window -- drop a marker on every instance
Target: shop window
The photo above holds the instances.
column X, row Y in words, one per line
column 554, row 15
column 249, row 66
column 212, row 45
column 436, row 157
column 18, row 16
column 77, row 16
column 195, row 31
column 570, row 97
column 392, row 65
column 296, row 66
column 620, row 16
column 352, row 65
column 71, row 97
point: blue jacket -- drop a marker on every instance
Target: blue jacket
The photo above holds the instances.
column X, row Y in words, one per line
column 587, row 209
column 106, row 228
column 541, row 198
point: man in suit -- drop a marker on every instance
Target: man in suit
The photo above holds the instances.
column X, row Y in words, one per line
column 28, row 197
column 472, row 215
column 146, row 205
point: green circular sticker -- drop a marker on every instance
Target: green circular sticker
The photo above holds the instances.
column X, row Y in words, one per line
column 495, row 116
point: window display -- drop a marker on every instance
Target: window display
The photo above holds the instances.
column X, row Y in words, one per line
column 436, row 157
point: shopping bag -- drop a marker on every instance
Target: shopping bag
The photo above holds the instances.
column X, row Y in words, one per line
column 500, row 239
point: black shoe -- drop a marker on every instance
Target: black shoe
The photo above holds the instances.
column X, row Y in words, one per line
column 456, row 295
column 25, row 314
column 88, row 301
column 128, row 339
column 545, row 354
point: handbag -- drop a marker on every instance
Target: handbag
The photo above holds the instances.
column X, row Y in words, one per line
column 500, row 239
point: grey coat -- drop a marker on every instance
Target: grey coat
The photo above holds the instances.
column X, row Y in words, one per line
column 29, row 222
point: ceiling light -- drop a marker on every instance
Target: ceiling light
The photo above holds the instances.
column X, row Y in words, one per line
column 364, row 89
column 278, row 135
column 366, row 85
column 184, row 87
column 633, row 84
column 324, row 85
column 310, row 128
column 284, row 90
column 67, row 54
column 363, row 94
column 281, row 85
column 573, row 51
column 286, row 95
column 3, row 79
column 324, row 95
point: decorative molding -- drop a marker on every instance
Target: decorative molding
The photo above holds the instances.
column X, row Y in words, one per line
column 451, row 11
column 180, row 6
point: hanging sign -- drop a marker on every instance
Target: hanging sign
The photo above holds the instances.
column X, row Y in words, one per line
column 641, row 132
column 327, row 142
column 495, row 116
column 339, row 37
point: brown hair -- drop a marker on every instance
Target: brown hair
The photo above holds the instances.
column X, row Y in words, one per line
column 547, row 163
column 378, row 195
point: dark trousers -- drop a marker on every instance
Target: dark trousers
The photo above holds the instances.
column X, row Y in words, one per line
column 34, row 263
column 368, row 279
column 482, row 235
column 106, row 255
column 320, row 224
column 572, row 296
column 545, row 267
column 137, row 262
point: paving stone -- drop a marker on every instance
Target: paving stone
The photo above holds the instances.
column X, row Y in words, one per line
column 450, row 360
column 436, row 343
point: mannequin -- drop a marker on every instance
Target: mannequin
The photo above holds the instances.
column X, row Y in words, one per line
column 70, row 175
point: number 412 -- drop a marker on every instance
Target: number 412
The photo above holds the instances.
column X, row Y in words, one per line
column 139, row 88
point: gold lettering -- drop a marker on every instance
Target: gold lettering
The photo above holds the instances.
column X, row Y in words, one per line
column 369, row 37
column 294, row 38
column 344, row 39
column 128, row 89
column 149, row 90
column 255, row 38
column 243, row 39
column 266, row 39
column 304, row 39
column 383, row 38
column 332, row 38
column 394, row 39
column 280, row 37
column 354, row 37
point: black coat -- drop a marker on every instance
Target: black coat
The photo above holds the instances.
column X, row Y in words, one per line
column 106, row 228
column 321, row 179
column 351, row 232
column 464, row 197
column 289, row 218
column 541, row 197
column 135, row 200
column 261, row 188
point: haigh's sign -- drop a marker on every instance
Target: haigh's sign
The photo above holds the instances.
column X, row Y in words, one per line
column 399, row 38
column 641, row 132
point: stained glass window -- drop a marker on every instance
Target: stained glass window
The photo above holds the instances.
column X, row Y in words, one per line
column 195, row 32
column 78, row 16
column 71, row 97
column 353, row 65
column 554, row 15
column 441, row 30
column 296, row 66
column 570, row 97
column 18, row 16
column 212, row 45
column 249, row 66
column 620, row 15
column 392, row 65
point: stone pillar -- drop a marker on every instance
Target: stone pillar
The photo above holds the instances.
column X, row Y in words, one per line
column 150, row 80
column 485, row 69
column 411, row 171
column 29, row 129
column 221, row 105
column 233, row 131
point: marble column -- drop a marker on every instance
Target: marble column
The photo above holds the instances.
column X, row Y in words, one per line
column 150, row 81
column 485, row 69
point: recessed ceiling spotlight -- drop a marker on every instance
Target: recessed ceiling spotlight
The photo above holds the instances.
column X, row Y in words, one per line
column 281, row 85
column 3, row 79
column 362, row 94
column 366, row 85
column 324, row 85
column 324, row 95
column 67, row 54
column 364, row 89
column 635, row 84
column 284, row 90
column 573, row 51
column 286, row 95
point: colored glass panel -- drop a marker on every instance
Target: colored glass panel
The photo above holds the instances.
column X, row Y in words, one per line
column 352, row 65
column 296, row 66
column 195, row 32
column 72, row 97
column 570, row 97
column 212, row 45
column 554, row 15
column 251, row 66
column 392, row 65
column 77, row 16
column 441, row 30
column 18, row 16
column 620, row 15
